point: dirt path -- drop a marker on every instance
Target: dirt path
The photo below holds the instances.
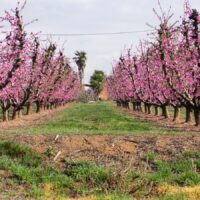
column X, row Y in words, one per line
column 120, row 151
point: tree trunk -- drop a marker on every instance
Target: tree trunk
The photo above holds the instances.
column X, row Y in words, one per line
column 14, row 115
column 134, row 106
column 41, row 107
column 139, row 106
column 145, row 108
column 5, row 115
column 197, row 116
column 38, row 107
column 118, row 103
column 124, row 104
column 165, row 112
column 176, row 114
column 28, row 109
column 188, row 117
column 19, row 114
column 149, row 109
column 156, row 110
column 127, row 105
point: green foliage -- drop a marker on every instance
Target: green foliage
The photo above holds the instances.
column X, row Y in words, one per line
column 97, row 81
column 80, row 59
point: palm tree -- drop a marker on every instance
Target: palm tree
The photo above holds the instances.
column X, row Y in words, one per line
column 80, row 59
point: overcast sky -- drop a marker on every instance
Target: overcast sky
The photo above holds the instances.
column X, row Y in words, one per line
column 92, row 16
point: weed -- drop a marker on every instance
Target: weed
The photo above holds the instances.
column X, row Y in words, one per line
column 151, row 156
column 49, row 152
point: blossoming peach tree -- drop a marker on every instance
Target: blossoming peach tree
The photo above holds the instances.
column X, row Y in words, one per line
column 164, row 72
column 31, row 73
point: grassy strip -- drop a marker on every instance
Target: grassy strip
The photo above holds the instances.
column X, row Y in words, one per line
column 97, row 118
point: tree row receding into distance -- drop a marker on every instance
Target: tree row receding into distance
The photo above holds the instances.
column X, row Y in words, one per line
column 31, row 71
column 165, row 71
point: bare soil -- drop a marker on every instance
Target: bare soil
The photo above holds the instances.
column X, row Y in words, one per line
column 121, row 151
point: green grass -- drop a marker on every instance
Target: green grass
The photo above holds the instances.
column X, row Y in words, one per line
column 95, row 118
column 173, row 197
column 183, row 170
column 33, row 171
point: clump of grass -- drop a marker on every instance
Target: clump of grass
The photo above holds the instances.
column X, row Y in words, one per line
column 87, row 173
column 151, row 156
column 183, row 171
column 191, row 154
column 50, row 152
column 100, row 180
column 23, row 154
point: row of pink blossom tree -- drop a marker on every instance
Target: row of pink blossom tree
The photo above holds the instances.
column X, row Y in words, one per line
column 31, row 72
column 165, row 71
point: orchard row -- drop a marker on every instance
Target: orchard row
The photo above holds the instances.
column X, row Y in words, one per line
column 32, row 72
column 164, row 71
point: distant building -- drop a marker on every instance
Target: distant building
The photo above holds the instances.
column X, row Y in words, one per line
column 86, row 87
column 104, row 94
